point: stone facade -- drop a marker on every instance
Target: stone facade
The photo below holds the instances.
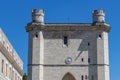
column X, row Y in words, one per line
column 11, row 66
column 68, row 51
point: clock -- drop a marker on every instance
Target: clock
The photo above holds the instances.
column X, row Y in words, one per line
column 68, row 60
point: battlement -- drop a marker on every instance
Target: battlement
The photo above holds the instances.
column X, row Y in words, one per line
column 38, row 12
column 38, row 15
column 98, row 12
column 98, row 16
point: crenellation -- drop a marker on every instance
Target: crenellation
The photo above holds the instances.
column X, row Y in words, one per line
column 98, row 16
column 38, row 16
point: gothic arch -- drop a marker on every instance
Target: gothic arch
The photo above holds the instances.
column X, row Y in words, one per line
column 68, row 76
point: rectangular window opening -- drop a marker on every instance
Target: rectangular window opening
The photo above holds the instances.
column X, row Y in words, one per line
column 6, row 69
column 92, row 77
column 88, row 60
column 2, row 66
column 86, row 77
column 82, row 59
column 88, row 44
column 10, row 72
column 100, row 36
column 65, row 40
column 82, row 78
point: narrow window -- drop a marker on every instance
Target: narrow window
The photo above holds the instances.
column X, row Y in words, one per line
column 82, row 59
column 100, row 36
column 86, row 77
column 82, row 78
column 92, row 77
column 15, row 76
column 88, row 44
column 36, row 35
column 13, row 73
column 65, row 40
column 2, row 66
column 10, row 72
column 88, row 60
column 6, row 69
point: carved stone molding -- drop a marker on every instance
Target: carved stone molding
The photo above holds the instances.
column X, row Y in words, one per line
column 68, row 27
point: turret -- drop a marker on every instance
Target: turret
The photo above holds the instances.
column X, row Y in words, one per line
column 38, row 16
column 98, row 16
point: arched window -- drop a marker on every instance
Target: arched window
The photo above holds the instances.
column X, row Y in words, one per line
column 68, row 76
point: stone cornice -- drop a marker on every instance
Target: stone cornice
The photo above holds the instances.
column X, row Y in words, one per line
column 10, row 59
column 68, row 27
column 68, row 65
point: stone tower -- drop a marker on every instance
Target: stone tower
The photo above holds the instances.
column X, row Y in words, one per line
column 68, row 51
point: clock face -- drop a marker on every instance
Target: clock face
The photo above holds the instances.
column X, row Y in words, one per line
column 68, row 60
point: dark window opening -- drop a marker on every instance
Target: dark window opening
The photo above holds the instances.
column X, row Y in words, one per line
column 88, row 44
column 88, row 60
column 92, row 77
column 100, row 36
column 82, row 59
column 2, row 66
column 86, row 77
column 36, row 35
column 65, row 40
column 33, row 20
column 82, row 78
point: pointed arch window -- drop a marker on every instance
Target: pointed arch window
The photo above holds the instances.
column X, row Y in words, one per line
column 68, row 76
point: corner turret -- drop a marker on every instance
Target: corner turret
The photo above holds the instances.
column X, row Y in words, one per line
column 98, row 16
column 38, row 16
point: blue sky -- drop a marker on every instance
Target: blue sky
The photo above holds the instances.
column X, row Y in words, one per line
column 15, row 14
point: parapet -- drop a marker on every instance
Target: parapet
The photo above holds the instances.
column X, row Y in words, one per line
column 98, row 16
column 38, row 16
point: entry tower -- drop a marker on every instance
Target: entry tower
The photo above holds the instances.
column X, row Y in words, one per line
column 68, row 51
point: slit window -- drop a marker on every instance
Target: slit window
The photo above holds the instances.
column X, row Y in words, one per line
column 65, row 40
column 88, row 44
column 88, row 60
column 82, row 59
column 100, row 36
column 82, row 78
column 36, row 35
column 86, row 77
column 92, row 77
